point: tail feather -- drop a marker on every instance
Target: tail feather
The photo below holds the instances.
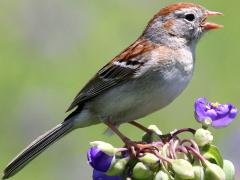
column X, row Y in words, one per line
column 36, row 147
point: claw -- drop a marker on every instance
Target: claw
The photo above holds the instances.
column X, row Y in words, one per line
column 137, row 149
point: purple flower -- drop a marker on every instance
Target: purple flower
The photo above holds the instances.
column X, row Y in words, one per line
column 98, row 175
column 98, row 159
column 220, row 114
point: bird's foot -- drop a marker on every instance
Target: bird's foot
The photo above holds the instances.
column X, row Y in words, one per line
column 137, row 149
column 165, row 137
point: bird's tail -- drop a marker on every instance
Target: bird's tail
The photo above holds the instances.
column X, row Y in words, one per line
column 37, row 147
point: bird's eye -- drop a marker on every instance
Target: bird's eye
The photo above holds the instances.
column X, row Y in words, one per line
column 189, row 17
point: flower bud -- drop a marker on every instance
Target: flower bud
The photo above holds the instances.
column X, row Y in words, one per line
column 155, row 129
column 198, row 172
column 206, row 123
column 104, row 147
column 98, row 175
column 181, row 155
column 118, row 167
column 203, row 137
column 229, row 169
column 149, row 159
column 182, row 168
column 152, row 136
column 213, row 171
column 141, row 171
column 161, row 176
column 99, row 160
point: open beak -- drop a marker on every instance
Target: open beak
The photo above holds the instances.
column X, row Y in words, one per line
column 209, row 25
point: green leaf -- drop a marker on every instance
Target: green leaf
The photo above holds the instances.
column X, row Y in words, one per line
column 229, row 169
column 212, row 154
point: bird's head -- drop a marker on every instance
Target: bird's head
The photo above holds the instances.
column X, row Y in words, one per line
column 180, row 23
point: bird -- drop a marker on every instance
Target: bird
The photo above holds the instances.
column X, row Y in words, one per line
column 145, row 77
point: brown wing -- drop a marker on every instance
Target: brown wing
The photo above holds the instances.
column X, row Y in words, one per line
column 121, row 68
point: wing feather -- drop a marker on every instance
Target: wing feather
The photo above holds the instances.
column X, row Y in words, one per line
column 102, row 81
column 120, row 69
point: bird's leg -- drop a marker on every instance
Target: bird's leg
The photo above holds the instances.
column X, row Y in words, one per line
column 135, row 148
column 116, row 131
column 164, row 137
column 143, row 128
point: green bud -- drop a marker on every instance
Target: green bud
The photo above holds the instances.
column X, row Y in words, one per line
column 181, row 155
column 155, row 129
column 182, row 168
column 214, row 171
column 203, row 137
column 198, row 172
column 206, row 123
column 176, row 177
column 153, row 136
column 118, row 167
column 229, row 169
column 141, row 171
column 104, row 147
column 149, row 159
column 161, row 176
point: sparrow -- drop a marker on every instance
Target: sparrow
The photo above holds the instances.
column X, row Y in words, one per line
column 145, row 77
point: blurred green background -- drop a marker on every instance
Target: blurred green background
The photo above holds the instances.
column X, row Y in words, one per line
column 50, row 48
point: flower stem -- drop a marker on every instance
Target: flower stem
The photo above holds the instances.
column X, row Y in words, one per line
column 192, row 142
column 191, row 130
column 162, row 157
column 197, row 154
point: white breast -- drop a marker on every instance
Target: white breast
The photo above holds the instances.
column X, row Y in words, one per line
column 144, row 95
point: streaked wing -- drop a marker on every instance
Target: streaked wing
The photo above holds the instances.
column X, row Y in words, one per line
column 103, row 80
column 121, row 68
